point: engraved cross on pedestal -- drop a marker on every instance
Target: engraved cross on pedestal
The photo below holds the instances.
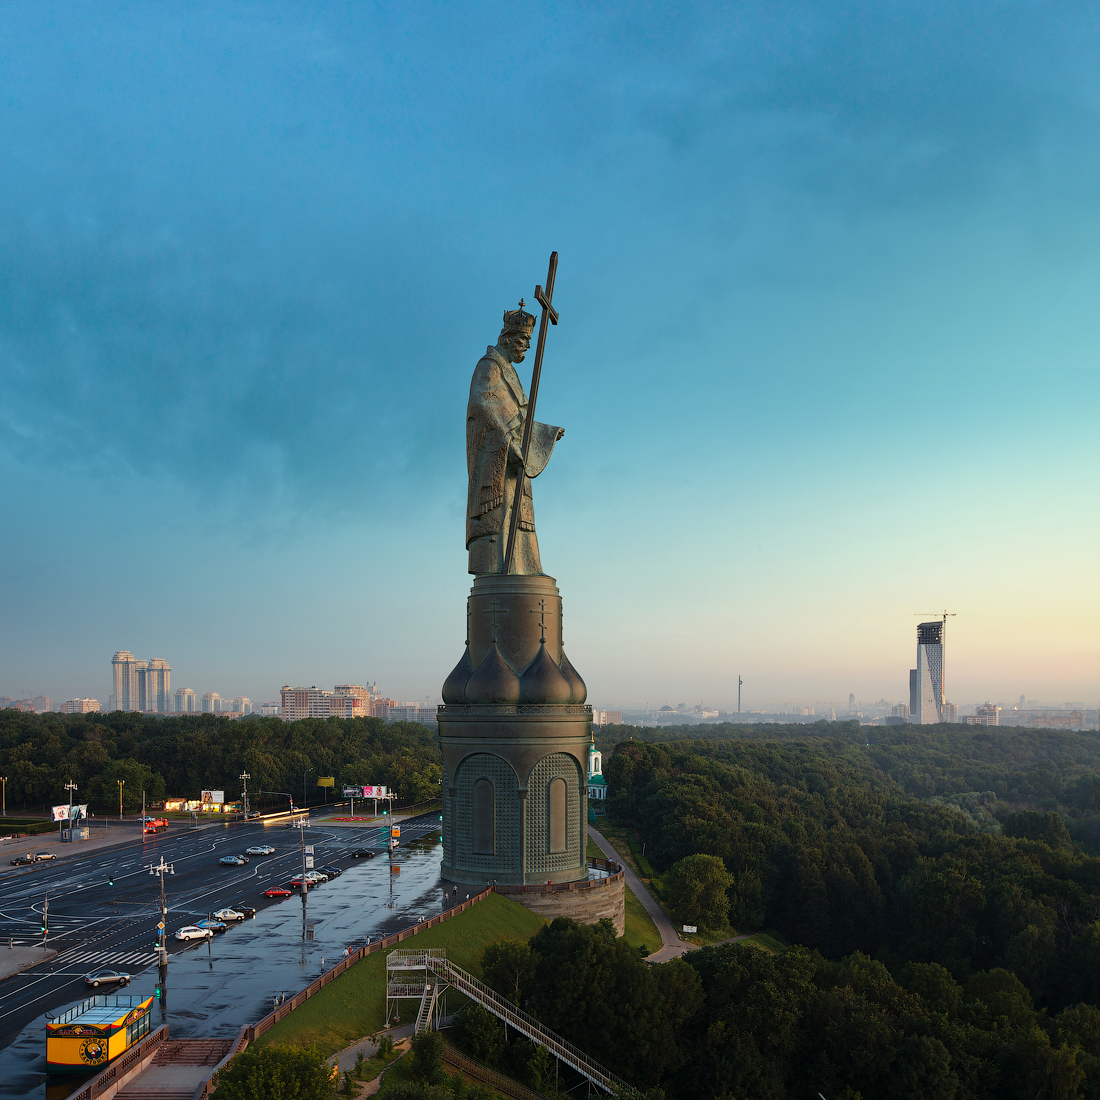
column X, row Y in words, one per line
column 541, row 612
column 494, row 610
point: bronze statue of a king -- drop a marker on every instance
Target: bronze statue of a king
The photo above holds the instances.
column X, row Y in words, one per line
column 514, row 729
column 495, row 419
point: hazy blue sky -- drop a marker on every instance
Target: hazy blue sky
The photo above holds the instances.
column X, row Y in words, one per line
column 829, row 288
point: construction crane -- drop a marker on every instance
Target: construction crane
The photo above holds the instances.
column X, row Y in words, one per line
column 945, row 615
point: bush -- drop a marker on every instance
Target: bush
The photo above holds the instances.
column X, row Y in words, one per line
column 276, row 1073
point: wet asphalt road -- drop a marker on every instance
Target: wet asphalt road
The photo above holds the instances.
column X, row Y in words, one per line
column 214, row 986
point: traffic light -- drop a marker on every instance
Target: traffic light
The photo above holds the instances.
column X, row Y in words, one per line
column 157, row 992
column 110, row 880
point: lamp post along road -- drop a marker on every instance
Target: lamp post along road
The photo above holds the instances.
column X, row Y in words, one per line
column 70, row 787
column 4, row 782
column 244, row 777
column 121, row 784
column 160, row 870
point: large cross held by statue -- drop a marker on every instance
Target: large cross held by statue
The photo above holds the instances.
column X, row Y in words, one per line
column 544, row 300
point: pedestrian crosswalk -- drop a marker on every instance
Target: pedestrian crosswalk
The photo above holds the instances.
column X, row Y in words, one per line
column 92, row 959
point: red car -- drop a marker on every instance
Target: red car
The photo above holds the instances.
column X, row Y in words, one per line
column 277, row 892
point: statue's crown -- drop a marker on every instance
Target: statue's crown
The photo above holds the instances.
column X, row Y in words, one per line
column 518, row 320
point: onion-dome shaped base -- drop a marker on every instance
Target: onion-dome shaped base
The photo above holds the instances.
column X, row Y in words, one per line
column 494, row 682
column 542, row 681
column 579, row 692
column 454, row 688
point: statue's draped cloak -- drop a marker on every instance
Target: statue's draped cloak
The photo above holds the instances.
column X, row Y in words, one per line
column 494, row 420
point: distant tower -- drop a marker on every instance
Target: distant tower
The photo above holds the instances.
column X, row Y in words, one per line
column 927, row 677
column 851, row 702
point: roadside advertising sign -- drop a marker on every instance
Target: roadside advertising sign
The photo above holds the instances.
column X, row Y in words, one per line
column 353, row 792
column 326, row 781
column 210, row 797
column 690, row 928
column 61, row 813
column 374, row 792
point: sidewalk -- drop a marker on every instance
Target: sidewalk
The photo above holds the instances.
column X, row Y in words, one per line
column 18, row 959
column 672, row 946
column 345, row 1059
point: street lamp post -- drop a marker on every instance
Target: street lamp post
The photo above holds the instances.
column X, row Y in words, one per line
column 244, row 777
column 121, row 784
column 162, row 949
column 4, row 782
column 304, row 774
column 70, row 787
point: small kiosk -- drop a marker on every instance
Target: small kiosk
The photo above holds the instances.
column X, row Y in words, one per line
column 95, row 1032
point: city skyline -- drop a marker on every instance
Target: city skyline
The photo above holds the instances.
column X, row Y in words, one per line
column 826, row 352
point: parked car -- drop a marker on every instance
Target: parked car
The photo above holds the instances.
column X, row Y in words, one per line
column 362, row 853
column 332, row 872
column 39, row 857
column 277, row 892
column 317, row 876
column 208, row 923
column 296, row 882
column 244, row 910
column 233, row 861
column 194, row 932
column 28, row 858
column 260, row 850
column 106, row 977
column 228, row 915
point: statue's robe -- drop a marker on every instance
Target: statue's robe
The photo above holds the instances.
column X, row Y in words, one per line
column 494, row 420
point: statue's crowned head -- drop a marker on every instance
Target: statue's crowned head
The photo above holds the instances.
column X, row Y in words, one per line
column 517, row 322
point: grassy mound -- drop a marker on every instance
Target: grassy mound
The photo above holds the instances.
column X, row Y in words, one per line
column 354, row 1005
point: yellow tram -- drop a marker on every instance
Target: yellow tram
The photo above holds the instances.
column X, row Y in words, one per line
column 96, row 1031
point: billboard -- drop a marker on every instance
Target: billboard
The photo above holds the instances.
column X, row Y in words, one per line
column 353, row 792
column 211, row 797
column 61, row 813
column 374, row 792
column 326, row 781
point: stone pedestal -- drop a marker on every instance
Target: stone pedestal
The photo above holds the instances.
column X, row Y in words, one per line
column 514, row 734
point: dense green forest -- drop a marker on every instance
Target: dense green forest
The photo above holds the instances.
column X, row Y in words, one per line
column 733, row 1022
column 946, row 945
column 181, row 756
column 984, row 772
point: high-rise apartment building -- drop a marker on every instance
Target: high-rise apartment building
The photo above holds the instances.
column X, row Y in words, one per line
column 356, row 700
column 186, row 701
column 155, row 685
column 987, row 715
column 950, row 712
column 211, row 702
column 42, row 704
column 124, row 667
column 141, row 685
column 926, row 680
column 240, row 704
column 80, row 706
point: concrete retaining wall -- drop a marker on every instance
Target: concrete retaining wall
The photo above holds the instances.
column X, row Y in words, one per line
column 586, row 902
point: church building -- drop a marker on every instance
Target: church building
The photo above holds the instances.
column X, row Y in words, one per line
column 597, row 788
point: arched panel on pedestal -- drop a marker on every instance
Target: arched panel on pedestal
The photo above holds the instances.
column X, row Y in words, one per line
column 485, row 812
column 555, row 815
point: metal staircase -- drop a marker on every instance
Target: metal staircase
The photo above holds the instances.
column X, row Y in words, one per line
column 434, row 964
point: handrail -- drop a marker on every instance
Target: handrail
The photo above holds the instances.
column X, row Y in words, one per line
column 427, row 1007
column 121, row 1065
column 495, row 1079
column 529, row 1027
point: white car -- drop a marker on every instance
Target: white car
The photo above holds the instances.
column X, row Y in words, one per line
column 260, row 850
column 228, row 914
column 317, row 876
column 194, row 932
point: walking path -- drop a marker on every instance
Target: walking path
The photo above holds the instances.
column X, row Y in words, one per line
column 18, row 959
column 672, row 945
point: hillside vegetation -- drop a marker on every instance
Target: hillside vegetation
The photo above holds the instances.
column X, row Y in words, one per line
column 184, row 755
